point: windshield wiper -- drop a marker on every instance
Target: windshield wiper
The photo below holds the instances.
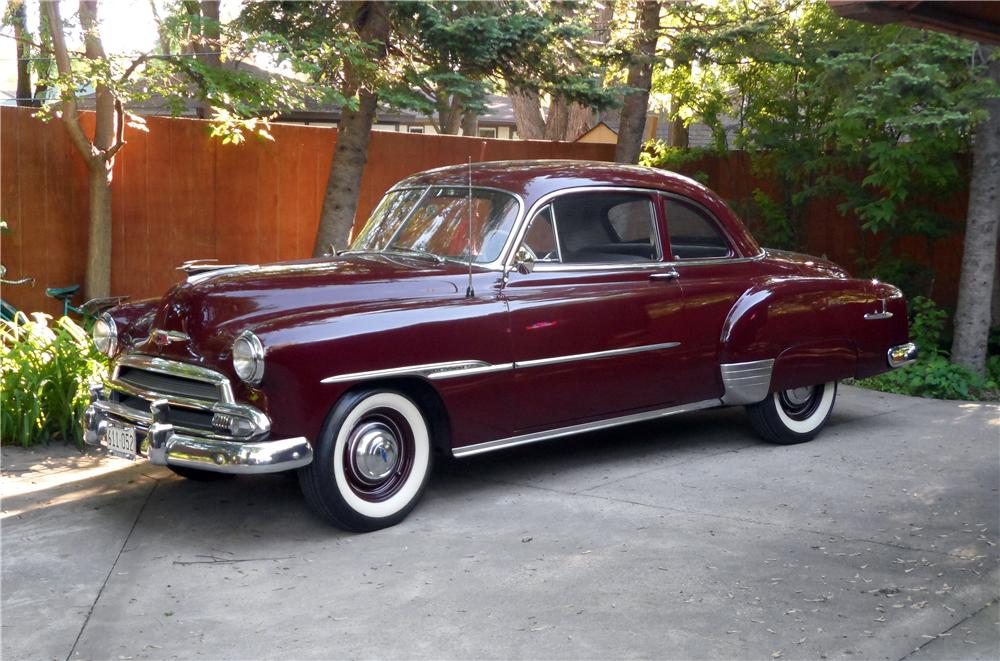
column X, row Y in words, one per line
column 416, row 252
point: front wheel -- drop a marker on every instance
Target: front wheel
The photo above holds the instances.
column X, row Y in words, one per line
column 793, row 416
column 371, row 462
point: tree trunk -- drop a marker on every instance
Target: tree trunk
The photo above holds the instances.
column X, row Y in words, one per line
column 678, row 130
column 528, row 114
column 19, row 17
column 979, row 257
column 470, row 123
column 450, row 116
column 98, row 275
column 557, row 119
column 98, row 154
column 210, row 44
column 566, row 121
column 97, row 280
column 640, row 77
column 340, row 202
column 578, row 119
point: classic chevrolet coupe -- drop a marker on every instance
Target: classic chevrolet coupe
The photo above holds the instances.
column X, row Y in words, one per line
column 481, row 308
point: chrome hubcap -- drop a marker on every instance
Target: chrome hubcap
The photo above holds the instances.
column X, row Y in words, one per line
column 374, row 449
column 799, row 396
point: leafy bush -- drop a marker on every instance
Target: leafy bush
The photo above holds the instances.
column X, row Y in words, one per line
column 933, row 375
column 44, row 374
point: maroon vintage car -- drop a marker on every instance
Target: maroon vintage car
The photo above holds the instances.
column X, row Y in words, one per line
column 543, row 299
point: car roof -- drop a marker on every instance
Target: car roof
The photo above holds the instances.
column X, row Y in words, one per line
column 533, row 179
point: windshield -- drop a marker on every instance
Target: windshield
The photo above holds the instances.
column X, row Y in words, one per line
column 435, row 222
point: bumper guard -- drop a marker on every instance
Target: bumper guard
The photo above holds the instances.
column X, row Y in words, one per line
column 163, row 445
column 901, row 355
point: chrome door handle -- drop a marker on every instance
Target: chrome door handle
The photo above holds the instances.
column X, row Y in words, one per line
column 665, row 275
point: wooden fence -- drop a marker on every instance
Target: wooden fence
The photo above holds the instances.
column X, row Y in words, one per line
column 179, row 194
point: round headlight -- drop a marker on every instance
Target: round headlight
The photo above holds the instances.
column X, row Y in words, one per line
column 105, row 334
column 248, row 358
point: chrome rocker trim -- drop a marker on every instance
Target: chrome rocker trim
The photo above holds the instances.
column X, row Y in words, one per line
column 902, row 355
column 524, row 439
column 746, row 383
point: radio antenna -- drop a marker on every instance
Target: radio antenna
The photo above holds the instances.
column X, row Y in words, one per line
column 469, row 291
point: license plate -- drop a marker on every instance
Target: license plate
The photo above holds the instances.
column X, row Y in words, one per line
column 121, row 441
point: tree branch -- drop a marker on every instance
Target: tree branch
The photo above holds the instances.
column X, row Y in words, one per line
column 70, row 117
column 119, row 131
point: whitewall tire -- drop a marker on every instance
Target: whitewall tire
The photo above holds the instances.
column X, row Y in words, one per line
column 793, row 416
column 371, row 461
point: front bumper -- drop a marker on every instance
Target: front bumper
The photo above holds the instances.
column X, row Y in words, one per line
column 163, row 446
column 167, row 434
column 902, row 354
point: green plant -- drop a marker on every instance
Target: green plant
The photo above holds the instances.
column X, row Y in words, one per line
column 933, row 375
column 658, row 154
column 44, row 373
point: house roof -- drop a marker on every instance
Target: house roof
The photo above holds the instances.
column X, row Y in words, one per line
column 976, row 20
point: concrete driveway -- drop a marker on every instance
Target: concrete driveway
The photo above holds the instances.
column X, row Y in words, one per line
column 685, row 538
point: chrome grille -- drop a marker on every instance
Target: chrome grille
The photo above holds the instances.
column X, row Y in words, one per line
column 169, row 384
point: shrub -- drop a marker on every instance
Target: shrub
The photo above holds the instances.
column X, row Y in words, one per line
column 44, row 374
column 933, row 375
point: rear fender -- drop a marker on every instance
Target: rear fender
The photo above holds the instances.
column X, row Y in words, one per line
column 787, row 332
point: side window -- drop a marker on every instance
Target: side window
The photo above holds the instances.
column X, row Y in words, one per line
column 541, row 236
column 693, row 233
column 605, row 227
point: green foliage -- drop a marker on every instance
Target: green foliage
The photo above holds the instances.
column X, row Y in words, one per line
column 933, row 375
column 658, row 154
column 441, row 57
column 831, row 108
column 44, row 374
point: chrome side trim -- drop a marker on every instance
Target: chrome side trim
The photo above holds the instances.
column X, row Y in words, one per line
column 902, row 355
column 429, row 370
column 549, row 267
column 459, row 368
column 177, row 368
column 746, row 383
column 524, row 439
column 538, row 362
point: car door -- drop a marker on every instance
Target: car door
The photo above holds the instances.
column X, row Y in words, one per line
column 712, row 277
column 595, row 324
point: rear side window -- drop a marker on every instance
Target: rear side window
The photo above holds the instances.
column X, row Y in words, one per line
column 694, row 234
column 607, row 227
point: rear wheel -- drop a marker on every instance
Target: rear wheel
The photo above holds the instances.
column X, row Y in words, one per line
column 795, row 415
column 371, row 463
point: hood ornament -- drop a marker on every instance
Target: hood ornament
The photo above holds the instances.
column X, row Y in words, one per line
column 163, row 338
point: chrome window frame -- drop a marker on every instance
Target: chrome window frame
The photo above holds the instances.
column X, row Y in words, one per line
column 498, row 263
column 548, row 267
column 711, row 217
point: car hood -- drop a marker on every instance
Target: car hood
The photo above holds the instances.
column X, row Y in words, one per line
column 212, row 307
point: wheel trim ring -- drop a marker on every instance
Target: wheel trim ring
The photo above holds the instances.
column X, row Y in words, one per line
column 819, row 416
column 421, row 458
column 798, row 409
column 380, row 490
